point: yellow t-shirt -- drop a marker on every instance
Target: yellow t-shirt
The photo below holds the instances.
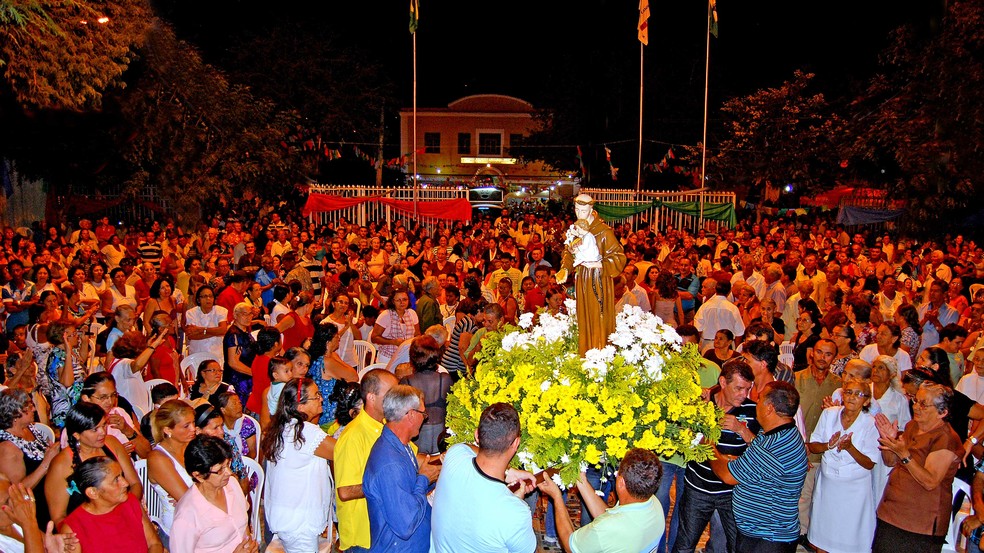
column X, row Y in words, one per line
column 351, row 455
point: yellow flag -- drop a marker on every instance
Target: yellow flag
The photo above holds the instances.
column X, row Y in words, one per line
column 644, row 22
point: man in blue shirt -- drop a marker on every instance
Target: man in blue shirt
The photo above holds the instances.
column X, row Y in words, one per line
column 935, row 314
column 394, row 486
column 768, row 478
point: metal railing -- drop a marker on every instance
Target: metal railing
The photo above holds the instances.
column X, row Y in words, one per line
column 363, row 214
column 661, row 217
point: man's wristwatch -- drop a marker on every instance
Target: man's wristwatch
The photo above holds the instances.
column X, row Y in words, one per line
column 905, row 460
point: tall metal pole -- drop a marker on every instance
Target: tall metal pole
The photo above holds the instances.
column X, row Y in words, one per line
column 641, row 75
column 703, row 144
column 414, row 147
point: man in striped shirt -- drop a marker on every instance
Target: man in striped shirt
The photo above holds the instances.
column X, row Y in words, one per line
column 768, row 478
column 705, row 493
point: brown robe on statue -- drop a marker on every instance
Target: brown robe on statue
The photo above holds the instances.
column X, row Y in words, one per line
column 593, row 288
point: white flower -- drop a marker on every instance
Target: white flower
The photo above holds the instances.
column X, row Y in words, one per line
column 697, row 439
column 565, row 459
column 565, row 381
column 526, row 320
column 583, row 466
column 571, row 305
column 545, row 386
column 556, row 478
column 450, row 432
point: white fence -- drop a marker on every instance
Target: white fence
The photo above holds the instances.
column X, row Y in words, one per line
column 659, row 217
column 365, row 213
column 662, row 216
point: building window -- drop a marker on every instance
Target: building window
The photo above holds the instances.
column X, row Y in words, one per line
column 489, row 144
column 464, row 143
column 432, row 142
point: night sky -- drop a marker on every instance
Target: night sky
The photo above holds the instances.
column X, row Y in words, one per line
column 583, row 54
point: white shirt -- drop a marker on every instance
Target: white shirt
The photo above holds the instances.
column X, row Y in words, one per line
column 299, row 488
column 130, row 384
column 212, row 319
column 972, row 386
column 718, row 313
column 870, row 352
column 756, row 281
column 128, row 297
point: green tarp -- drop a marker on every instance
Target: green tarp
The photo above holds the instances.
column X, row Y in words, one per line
column 715, row 212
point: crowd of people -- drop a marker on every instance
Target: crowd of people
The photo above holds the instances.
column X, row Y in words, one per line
column 849, row 368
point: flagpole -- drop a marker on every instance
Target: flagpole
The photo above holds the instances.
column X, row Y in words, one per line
column 414, row 149
column 641, row 75
column 703, row 144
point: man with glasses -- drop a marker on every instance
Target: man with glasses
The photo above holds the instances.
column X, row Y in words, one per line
column 395, row 483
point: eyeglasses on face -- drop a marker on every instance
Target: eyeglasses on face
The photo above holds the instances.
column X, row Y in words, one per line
column 224, row 467
column 857, row 393
column 104, row 397
column 423, row 414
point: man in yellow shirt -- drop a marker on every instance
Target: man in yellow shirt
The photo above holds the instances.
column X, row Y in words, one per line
column 351, row 453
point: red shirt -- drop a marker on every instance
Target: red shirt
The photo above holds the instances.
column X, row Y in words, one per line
column 299, row 332
column 261, row 381
column 534, row 300
column 118, row 530
column 167, row 362
column 228, row 298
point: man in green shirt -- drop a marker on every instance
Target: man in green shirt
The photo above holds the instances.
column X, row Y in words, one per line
column 635, row 524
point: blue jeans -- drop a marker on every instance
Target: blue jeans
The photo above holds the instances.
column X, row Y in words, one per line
column 695, row 511
column 594, row 478
column 670, row 472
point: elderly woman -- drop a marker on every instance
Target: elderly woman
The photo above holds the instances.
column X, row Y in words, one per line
column 111, row 518
column 86, row 426
column 173, row 425
column 209, row 422
column 64, row 369
column 843, row 515
column 299, row 490
column 239, row 351
column 206, row 324
column 209, row 382
column 213, row 516
column 239, row 430
column 886, row 390
column 425, row 353
column 914, row 512
column 25, row 454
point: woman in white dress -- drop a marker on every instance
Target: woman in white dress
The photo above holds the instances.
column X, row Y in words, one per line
column 843, row 514
column 299, row 488
column 206, row 324
column 887, row 392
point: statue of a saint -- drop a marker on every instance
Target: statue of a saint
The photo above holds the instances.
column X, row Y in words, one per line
column 596, row 257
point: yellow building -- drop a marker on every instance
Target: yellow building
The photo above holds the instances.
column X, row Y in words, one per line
column 468, row 144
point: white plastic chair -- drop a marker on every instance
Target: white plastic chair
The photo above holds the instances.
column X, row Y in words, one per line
column 369, row 368
column 256, row 424
column 191, row 362
column 449, row 323
column 150, row 386
column 46, row 431
column 252, row 467
column 787, row 347
column 787, row 359
column 365, row 354
column 953, row 535
column 153, row 500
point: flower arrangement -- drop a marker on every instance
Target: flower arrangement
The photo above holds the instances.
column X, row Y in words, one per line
column 639, row 391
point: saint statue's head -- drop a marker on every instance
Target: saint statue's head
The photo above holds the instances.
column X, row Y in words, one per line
column 583, row 206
